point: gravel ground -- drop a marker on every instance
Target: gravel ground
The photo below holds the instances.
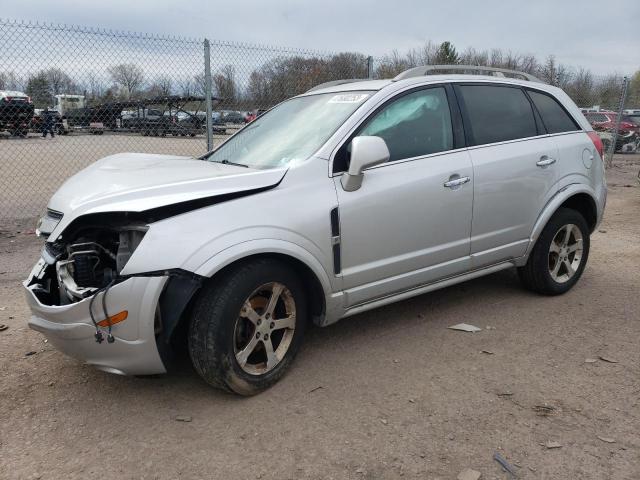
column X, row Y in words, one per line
column 390, row 393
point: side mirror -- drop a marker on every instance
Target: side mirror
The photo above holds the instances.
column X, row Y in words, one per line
column 365, row 152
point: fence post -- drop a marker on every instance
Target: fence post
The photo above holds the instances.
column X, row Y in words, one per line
column 370, row 67
column 621, row 102
column 207, row 94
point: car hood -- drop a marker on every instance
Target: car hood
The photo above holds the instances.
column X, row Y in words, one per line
column 136, row 182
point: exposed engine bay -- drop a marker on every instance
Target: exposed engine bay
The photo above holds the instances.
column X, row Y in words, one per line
column 91, row 260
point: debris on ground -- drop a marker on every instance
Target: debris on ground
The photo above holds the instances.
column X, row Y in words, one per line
column 465, row 327
column 607, row 439
column 489, row 327
column 552, row 444
column 183, row 418
column 384, row 421
column 544, row 410
column 590, row 360
column 3, row 327
column 412, row 400
column 315, row 389
column 505, row 394
column 28, row 354
column 488, row 352
column 504, row 464
column 608, row 359
column 469, row 474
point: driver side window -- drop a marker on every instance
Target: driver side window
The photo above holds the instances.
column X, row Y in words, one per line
column 413, row 125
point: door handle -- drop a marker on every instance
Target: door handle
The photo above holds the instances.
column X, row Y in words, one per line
column 545, row 161
column 456, row 182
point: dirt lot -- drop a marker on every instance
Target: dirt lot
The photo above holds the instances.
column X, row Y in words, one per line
column 387, row 394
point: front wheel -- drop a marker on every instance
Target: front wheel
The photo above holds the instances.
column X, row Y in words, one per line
column 559, row 256
column 247, row 326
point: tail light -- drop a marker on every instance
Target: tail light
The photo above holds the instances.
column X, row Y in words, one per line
column 597, row 142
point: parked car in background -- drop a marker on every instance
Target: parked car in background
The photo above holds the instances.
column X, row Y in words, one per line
column 16, row 112
column 232, row 116
column 604, row 122
column 353, row 195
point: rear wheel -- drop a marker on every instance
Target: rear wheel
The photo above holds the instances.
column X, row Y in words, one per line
column 559, row 256
column 247, row 327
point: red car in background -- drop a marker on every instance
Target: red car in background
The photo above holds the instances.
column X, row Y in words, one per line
column 605, row 120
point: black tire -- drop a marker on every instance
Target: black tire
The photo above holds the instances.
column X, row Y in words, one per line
column 211, row 336
column 535, row 275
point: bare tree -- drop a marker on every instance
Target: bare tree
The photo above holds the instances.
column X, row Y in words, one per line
column 225, row 85
column 187, row 87
column 95, row 86
column 10, row 81
column 161, row 87
column 128, row 76
column 59, row 82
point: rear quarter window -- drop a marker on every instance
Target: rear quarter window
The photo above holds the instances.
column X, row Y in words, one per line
column 554, row 116
column 497, row 113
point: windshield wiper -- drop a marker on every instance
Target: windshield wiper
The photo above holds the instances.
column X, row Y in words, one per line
column 227, row 162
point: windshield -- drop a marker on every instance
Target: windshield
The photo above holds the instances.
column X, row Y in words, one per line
column 291, row 132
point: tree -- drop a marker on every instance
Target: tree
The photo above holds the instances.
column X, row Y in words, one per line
column 39, row 89
column 129, row 77
column 94, row 87
column 59, row 82
column 160, row 87
column 225, row 85
column 9, row 81
column 446, row 54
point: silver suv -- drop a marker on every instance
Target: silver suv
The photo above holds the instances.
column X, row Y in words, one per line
column 351, row 196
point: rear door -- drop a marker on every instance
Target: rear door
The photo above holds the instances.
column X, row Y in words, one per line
column 513, row 165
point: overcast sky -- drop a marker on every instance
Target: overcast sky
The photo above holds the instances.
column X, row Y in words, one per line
column 603, row 36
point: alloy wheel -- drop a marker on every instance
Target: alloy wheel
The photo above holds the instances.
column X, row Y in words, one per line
column 264, row 328
column 565, row 253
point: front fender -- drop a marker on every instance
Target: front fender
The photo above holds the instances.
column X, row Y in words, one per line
column 553, row 204
column 334, row 307
column 261, row 246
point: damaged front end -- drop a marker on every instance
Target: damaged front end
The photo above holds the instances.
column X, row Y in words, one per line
column 79, row 296
column 88, row 257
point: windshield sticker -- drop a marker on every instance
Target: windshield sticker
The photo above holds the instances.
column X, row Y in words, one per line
column 348, row 98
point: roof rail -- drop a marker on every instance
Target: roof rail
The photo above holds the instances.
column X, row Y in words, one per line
column 334, row 83
column 493, row 71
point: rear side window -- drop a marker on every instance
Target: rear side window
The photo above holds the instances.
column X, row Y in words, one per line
column 554, row 117
column 497, row 113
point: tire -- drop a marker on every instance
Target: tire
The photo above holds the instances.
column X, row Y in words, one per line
column 538, row 273
column 218, row 331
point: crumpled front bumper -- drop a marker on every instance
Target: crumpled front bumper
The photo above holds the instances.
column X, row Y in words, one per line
column 69, row 327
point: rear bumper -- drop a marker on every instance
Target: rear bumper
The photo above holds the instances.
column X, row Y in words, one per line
column 69, row 327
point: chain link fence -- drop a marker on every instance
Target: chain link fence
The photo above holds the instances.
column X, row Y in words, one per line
column 72, row 95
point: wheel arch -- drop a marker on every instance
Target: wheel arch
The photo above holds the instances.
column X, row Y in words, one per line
column 311, row 269
column 576, row 197
column 311, row 283
column 584, row 204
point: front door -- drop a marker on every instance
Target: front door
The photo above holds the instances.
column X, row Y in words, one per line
column 409, row 223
